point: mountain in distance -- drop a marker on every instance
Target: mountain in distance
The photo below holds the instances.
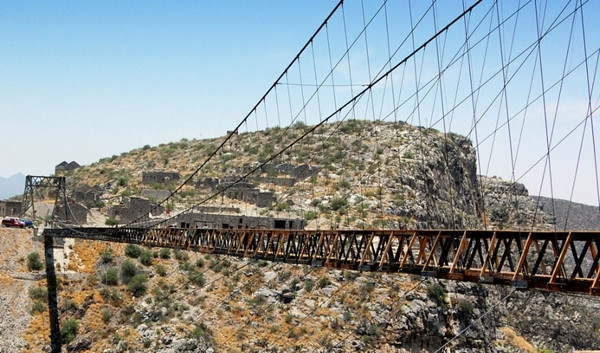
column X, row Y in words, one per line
column 570, row 215
column 12, row 186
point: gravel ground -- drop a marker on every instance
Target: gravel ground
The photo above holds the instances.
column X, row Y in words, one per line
column 16, row 244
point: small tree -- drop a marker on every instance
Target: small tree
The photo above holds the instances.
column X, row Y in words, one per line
column 133, row 251
column 146, row 257
column 128, row 271
column 137, row 285
column 68, row 330
column 33, row 262
column 111, row 276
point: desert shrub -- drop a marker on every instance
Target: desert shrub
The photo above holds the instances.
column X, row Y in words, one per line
column 37, row 307
column 111, row 222
column 111, row 276
column 38, row 293
column 310, row 215
column 464, row 308
column 200, row 263
column 146, row 257
column 309, row 284
column 128, row 270
column 161, row 270
column 437, row 293
column 133, row 251
column 33, row 262
column 181, row 255
column 165, row 253
column 106, row 256
column 288, row 318
column 338, row 203
column 196, row 278
column 68, row 329
column 137, row 285
column 106, row 315
column 323, row 282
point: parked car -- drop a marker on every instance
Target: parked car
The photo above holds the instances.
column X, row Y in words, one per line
column 28, row 222
column 13, row 222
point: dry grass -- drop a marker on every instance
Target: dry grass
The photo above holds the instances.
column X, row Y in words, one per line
column 514, row 339
column 86, row 253
column 37, row 334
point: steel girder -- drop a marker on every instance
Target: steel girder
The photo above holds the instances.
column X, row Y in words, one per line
column 556, row 261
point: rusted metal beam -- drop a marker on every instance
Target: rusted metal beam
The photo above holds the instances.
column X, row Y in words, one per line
column 500, row 257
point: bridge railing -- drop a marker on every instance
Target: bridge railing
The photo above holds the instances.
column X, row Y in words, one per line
column 556, row 261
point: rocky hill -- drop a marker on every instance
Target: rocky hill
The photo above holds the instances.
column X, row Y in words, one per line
column 570, row 215
column 117, row 298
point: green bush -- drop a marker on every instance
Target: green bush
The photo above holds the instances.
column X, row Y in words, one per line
column 37, row 307
column 111, row 222
column 68, row 330
column 146, row 257
column 137, row 285
column 133, row 251
column 161, row 270
column 111, row 276
column 181, row 255
column 165, row 253
column 196, row 278
column 338, row 203
column 106, row 315
column 437, row 293
column 309, row 284
column 106, row 256
column 128, row 270
column 310, row 215
column 33, row 262
column 38, row 293
column 323, row 282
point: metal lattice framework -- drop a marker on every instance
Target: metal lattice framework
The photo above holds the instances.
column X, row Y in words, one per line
column 555, row 261
column 57, row 184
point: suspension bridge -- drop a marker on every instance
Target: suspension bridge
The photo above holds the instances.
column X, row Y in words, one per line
column 515, row 78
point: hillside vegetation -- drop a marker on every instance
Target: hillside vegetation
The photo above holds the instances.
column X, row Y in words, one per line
column 120, row 298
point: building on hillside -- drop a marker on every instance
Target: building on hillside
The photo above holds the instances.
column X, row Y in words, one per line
column 65, row 167
column 76, row 213
column 132, row 208
column 10, row 208
column 157, row 177
column 88, row 193
column 212, row 220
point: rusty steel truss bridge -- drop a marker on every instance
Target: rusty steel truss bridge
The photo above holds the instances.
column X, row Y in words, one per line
column 555, row 261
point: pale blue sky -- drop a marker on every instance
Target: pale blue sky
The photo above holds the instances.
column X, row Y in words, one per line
column 87, row 79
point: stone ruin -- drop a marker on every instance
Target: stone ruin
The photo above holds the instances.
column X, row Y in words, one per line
column 65, row 167
column 88, row 193
column 224, row 221
column 156, row 177
column 247, row 192
column 10, row 208
column 76, row 213
column 131, row 208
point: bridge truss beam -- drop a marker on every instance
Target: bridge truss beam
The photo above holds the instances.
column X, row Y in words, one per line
column 555, row 261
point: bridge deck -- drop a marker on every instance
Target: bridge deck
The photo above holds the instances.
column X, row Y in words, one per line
column 556, row 261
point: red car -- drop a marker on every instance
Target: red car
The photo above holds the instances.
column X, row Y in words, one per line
column 13, row 222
